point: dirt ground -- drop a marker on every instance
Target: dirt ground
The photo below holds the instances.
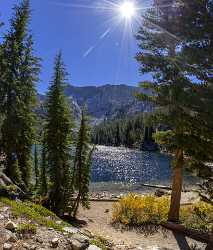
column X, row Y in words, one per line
column 98, row 220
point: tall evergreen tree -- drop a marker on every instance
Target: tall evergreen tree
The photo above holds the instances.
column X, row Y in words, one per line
column 161, row 41
column 36, row 167
column 58, row 139
column 43, row 188
column 81, row 175
column 198, row 53
column 17, row 95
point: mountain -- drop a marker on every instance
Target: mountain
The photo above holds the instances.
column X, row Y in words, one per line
column 107, row 101
column 104, row 102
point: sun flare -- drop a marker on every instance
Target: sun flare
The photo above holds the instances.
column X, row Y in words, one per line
column 127, row 9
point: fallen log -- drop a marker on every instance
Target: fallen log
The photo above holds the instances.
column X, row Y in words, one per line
column 191, row 233
column 156, row 186
column 165, row 187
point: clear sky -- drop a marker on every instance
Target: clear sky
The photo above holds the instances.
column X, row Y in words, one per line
column 97, row 44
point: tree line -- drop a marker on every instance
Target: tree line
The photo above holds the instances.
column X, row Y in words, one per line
column 59, row 173
column 128, row 132
column 176, row 47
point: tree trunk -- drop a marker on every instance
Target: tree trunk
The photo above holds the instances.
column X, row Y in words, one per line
column 76, row 205
column 176, row 187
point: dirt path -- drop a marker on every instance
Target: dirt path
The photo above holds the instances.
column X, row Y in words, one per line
column 99, row 223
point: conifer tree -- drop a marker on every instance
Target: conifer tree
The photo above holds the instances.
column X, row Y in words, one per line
column 58, row 139
column 171, row 89
column 36, row 167
column 43, row 188
column 17, row 95
column 82, row 164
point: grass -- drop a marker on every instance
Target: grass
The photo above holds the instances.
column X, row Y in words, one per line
column 34, row 212
column 135, row 210
column 100, row 242
column 26, row 228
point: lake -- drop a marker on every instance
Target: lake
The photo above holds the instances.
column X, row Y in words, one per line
column 122, row 169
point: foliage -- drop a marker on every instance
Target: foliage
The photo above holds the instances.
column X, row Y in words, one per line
column 138, row 210
column 128, row 132
column 81, row 173
column 170, row 47
column 58, row 138
column 26, row 228
column 198, row 216
column 34, row 212
column 99, row 242
column 36, row 167
column 43, row 187
column 135, row 210
column 19, row 70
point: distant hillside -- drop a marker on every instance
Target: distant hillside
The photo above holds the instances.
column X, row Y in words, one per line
column 105, row 102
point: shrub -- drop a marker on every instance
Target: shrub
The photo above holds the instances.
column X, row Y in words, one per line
column 136, row 210
column 198, row 216
column 100, row 242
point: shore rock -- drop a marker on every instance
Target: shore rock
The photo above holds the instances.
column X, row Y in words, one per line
column 7, row 236
column 79, row 242
column 7, row 246
column 93, row 247
column 11, row 226
column 55, row 242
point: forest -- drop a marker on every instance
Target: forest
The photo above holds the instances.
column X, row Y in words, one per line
column 128, row 132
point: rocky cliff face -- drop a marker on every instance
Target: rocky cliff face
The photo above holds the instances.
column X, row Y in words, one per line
column 104, row 102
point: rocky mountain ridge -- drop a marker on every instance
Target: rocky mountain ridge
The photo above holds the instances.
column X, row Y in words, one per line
column 104, row 102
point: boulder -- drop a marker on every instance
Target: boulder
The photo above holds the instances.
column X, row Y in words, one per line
column 71, row 230
column 11, row 226
column 55, row 242
column 160, row 193
column 79, row 242
column 93, row 247
column 26, row 246
column 77, row 245
column 7, row 236
column 7, row 246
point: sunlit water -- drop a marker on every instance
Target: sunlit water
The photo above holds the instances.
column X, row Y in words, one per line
column 122, row 169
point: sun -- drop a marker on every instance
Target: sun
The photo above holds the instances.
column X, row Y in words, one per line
column 127, row 9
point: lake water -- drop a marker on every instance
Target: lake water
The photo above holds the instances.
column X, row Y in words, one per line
column 121, row 169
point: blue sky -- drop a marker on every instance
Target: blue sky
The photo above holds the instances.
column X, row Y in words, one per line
column 95, row 48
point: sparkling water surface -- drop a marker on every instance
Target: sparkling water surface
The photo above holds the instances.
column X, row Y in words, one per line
column 122, row 169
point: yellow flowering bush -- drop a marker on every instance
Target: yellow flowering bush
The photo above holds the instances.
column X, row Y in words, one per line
column 137, row 210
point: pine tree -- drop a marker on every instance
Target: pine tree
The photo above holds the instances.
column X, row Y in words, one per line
column 17, row 95
column 81, row 174
column 36, row 167
column 198, row 52
column 172, row 91
column 43, row 188
column 58, row 139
